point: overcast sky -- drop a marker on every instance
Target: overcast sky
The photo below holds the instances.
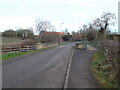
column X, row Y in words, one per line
column 16, row 14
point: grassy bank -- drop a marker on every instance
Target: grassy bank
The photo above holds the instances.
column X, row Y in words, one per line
column 100, row 70
column 12, row 55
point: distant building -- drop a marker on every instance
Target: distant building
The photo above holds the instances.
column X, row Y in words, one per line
column 77, row 37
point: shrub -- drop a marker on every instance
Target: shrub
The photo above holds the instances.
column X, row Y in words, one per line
column 103, row 71
column 111, row 51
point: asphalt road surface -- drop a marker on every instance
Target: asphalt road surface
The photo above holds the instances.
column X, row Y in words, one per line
column 80, row 75
column 48, row 69
column 45, row 69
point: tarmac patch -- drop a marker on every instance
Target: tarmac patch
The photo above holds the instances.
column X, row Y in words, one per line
column 90, row 48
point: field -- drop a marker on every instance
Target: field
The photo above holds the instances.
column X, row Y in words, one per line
column 14, row 41
column 11, row 40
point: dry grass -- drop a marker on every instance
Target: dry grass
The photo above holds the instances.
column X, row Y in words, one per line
column 14, row 41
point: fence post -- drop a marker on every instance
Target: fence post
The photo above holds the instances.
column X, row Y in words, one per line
column 27, row 48
column 20, row 48
column 35, row 47
column 10, row 49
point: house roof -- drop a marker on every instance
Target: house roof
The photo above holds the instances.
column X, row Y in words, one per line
column 78, row 35
column 60, row 33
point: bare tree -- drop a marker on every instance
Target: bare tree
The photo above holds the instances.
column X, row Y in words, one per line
column 85, row 27
column 43, row 26
column 104, row 21
column 65, row 31
column 102, row 24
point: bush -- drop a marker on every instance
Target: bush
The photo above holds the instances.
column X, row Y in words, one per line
column 111, row 51
column 103, row 71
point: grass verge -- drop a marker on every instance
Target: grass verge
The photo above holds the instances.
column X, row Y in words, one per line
column 63, row 43
column 12, row 55
column 100, row 71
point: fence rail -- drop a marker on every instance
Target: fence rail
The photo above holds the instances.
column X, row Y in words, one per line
column 28, row 47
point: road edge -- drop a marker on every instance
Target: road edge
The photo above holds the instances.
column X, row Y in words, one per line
column 68, row 70
column 11, row 60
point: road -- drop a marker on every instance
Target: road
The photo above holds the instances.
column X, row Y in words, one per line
column 80, row 75
column 45, row 69
column 48, row 69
